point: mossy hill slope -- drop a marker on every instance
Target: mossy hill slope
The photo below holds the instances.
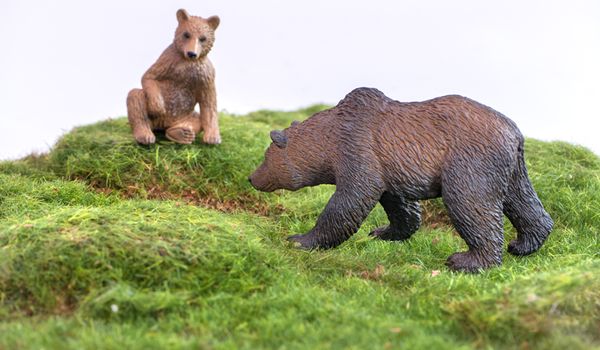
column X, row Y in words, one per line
column 106, row 244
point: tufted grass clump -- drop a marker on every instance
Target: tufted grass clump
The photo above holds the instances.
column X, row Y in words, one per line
column 106, row 244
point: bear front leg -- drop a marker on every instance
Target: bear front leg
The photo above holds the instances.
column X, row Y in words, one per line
column 341, row 218
column 137, row 114
column 404, row 216
column 209, row 118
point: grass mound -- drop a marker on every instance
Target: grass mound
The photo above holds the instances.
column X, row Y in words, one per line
column 81, row 249
column 91, row 258
column 105, row 156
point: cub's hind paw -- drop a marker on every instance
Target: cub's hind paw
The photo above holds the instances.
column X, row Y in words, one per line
column 181, row 134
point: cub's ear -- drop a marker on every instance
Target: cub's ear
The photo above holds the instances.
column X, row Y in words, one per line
column 279, row 138
column 295, row 122
column 182, row 15
column 213, row 21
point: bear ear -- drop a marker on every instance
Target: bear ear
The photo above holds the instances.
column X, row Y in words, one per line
column 213, row 21
column 295, row 122
column 182, row 15
column 279, row 138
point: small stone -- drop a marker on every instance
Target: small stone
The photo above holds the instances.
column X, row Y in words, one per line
column 532, row 297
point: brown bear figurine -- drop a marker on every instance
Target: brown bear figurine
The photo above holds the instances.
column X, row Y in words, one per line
column 181, row 77
column 375, row 149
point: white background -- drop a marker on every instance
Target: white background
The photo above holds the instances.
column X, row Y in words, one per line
column 68, row 63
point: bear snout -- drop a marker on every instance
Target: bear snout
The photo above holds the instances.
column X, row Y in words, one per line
column 256, row 184
column 252, row 182
column 260, row 181
column 192, row 54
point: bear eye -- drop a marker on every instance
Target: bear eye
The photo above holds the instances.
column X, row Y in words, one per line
column 202, row 39
column 187, row 35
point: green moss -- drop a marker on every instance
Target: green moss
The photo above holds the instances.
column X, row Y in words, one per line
column 70, row 253
column 88, row 261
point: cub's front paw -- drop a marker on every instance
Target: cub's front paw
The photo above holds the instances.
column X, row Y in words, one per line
column 156, row 105
column 305, row 241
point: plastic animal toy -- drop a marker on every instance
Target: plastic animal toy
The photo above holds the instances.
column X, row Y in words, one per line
column 181, row 77
column 375, row 149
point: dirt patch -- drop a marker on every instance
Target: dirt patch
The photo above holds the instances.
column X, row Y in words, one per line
column 434, row 215
column 193, row 197
column 374, row 275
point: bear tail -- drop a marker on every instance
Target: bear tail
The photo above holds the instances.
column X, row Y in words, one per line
column 525, row 210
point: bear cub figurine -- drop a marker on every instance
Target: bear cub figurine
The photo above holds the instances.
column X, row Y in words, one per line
column 181, row 77
column 375, row 149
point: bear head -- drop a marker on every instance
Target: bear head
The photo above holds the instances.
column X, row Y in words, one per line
column 195, row 36
column 285, row 166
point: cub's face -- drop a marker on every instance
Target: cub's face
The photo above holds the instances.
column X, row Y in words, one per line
column 277, row 170
column 195, row 36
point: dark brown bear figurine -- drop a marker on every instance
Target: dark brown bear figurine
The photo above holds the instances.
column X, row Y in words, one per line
column 376, row 149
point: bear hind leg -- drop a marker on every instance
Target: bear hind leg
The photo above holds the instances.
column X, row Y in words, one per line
column 137, row 114
column 525, row 211
column 404, row 216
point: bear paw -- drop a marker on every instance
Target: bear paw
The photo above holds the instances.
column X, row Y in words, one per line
column 470, row 262
column 305, row 241
column 386, row 233
column 156, row 105
column 181, row 134
column 522, row 247
column 146, row 138
column 211, row 138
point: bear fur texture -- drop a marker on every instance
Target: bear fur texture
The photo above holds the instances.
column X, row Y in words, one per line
column 181, row 77
column 375, row 149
